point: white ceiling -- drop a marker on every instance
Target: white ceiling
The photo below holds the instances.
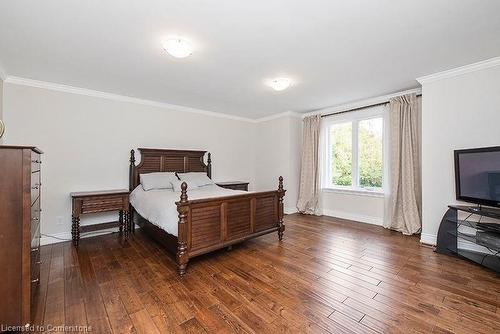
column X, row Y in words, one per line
column 336, row 51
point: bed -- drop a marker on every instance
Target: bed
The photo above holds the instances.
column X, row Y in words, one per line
column 191, row 223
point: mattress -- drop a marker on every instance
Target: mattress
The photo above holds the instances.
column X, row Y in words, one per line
column 158, row 205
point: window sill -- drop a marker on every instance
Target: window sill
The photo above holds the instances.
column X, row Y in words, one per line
column 356, row 192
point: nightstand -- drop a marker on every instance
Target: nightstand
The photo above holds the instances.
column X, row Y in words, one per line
column 97, row 202
column 234, row 185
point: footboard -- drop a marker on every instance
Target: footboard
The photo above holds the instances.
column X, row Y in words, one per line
column 209, row 224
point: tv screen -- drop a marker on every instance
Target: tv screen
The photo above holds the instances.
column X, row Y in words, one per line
column 477, row 174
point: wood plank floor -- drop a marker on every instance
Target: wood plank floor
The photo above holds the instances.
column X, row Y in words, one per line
column 327, row 276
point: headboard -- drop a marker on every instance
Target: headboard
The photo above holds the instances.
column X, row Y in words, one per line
column 159, row 160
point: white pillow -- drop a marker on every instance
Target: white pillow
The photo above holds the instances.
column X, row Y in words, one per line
column 176, row 185
column 199, row 178
column 161, row 180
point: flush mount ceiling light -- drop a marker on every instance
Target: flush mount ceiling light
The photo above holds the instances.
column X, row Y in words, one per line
column 178, row 47
column 279, row 84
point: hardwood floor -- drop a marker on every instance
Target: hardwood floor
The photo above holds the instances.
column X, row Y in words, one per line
column 327, row 276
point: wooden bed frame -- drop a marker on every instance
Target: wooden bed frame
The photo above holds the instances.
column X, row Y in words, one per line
column 208, row 224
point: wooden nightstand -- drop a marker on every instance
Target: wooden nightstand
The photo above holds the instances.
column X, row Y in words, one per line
column 96, row 202
column 235, row 185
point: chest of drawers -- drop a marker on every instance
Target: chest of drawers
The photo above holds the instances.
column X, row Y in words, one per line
column 20, row 207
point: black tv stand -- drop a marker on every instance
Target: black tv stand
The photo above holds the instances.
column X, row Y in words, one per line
column 482, row 211
column 475, row 208
column 473, row 239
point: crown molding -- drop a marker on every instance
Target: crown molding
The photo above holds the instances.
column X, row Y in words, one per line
column 122, row 98
column 279, row 115
column 362, row 103
column 485, row 64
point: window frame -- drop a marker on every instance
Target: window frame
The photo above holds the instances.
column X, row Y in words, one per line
column 354, row 118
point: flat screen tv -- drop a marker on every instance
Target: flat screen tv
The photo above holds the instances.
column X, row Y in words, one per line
column 477, row 175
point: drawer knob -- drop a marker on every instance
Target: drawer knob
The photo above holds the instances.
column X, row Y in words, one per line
column 36, row 186
column 34, row 249
column 35, row 280
column 38, row 262
column 36, row 161
column 35, row 219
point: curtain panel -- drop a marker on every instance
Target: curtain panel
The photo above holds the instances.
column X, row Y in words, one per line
column 403, row 197
column 309, row 172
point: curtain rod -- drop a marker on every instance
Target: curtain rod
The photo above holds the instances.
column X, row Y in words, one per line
column 359, row 108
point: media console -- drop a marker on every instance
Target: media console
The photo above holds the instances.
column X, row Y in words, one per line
column 471, row 236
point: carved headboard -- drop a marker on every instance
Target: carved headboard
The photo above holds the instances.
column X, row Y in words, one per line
column 159, row 160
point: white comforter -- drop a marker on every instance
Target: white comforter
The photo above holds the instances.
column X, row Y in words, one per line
column 158, row 206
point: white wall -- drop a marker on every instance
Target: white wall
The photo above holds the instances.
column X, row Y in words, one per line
column 458, row 111
column 363, row 208
column 277, row 152
column 295, row 139
column 87, row 140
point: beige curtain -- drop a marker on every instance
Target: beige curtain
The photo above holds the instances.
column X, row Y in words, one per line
column 404, row 201
column 309, row 172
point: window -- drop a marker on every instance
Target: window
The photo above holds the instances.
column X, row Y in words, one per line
column 354, row 153
column 341, row 154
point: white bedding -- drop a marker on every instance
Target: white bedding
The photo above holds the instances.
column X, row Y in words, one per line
column 158, row 205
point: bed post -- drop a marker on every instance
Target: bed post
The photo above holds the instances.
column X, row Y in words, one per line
column 182, row 208
column 281, row 194
column 131, row 224
column 209, row 165
column 131, row 171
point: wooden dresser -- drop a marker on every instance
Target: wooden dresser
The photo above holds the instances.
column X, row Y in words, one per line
column 20, row 188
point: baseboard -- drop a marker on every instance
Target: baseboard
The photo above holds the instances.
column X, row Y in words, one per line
column 50, row 239
column 55, row 238
column 352, row 216
column 289, row 210
column 428, row 239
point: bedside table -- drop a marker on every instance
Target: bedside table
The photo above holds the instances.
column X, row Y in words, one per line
column 235, row 185
column 96, row 202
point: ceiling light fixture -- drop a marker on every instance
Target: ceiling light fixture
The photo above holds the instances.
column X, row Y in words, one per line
column 178, row 47
column 279, row 84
